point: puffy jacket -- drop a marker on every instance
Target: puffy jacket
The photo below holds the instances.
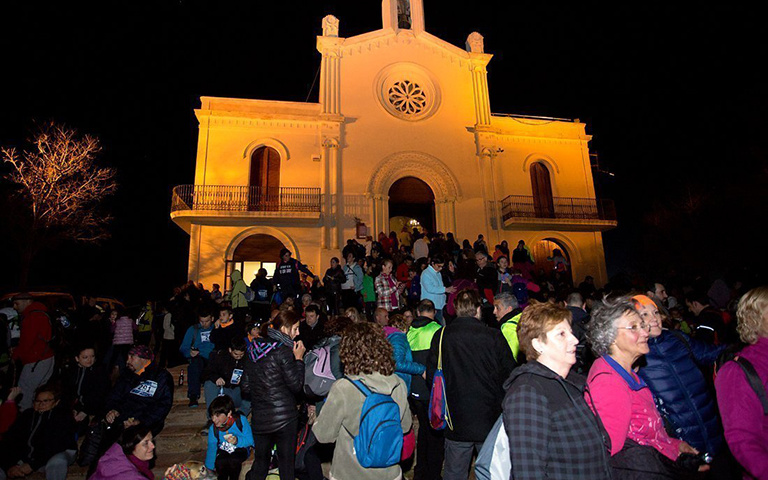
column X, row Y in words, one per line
column 115, row 465
column 147, row 397
column 404, row 364
column 681, row 392
column 275, row 378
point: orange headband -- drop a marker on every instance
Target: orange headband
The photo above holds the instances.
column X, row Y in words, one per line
column 644, row 301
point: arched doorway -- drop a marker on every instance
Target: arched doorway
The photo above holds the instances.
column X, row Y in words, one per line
column 541, row 184
column 543, row 251
column 254, row 252
column 411, row 199
column 264, row 180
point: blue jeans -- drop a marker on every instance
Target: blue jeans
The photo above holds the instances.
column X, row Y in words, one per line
column 56, row 467
column 194, row 373
column 212, row 391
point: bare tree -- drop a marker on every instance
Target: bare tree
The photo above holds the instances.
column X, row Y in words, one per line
column 61, row 186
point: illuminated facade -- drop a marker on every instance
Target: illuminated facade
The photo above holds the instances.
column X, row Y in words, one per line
column 395, row 105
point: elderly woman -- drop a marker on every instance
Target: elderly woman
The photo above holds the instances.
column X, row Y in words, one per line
column 367, row 358
column 552, row 432
column 640, row 447
column 745, row 420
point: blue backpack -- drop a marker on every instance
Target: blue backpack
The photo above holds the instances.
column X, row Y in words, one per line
column 379, row 443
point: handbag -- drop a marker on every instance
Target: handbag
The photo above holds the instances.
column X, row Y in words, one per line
column 91, row 449
column 439, row 416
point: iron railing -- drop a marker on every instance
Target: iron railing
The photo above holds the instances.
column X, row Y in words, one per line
column 245, row 198
column 525, row 206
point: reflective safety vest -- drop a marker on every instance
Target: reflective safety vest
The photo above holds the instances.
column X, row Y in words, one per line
column 421, row 338
column 509, row 330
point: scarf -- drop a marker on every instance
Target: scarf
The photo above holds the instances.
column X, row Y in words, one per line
column 634, row 384
column 142, row 466
column 258, row 350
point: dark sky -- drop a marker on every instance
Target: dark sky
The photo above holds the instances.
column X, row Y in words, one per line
column 674, row 97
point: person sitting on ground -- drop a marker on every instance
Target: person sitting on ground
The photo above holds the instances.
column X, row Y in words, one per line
column 42, row 438
column 197, row 347
column 368, row 358
column 143, row 395
column 129, row 458
column 230, row 439
column 396, row 335
column 225, row 330
column 224, row 375
column 85, row 384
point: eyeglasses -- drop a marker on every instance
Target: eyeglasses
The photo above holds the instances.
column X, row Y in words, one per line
column 635, row 328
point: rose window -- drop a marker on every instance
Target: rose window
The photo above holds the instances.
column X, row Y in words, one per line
column 407, row 97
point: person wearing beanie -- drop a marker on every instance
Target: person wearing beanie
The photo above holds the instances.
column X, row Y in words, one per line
column 142, row 395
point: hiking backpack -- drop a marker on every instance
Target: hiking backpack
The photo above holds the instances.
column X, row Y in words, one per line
column 379, row 441
column 318, row 376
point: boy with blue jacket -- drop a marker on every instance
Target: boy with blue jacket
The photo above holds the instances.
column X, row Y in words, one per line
column 197, row 347
column 230, row 439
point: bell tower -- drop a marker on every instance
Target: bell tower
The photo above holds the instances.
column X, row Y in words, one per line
column 403, row 15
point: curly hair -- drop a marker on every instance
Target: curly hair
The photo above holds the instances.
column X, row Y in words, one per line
column 400, row 322
column 337, row 324
column 536, row 321
column 602, row 329
column 751, row 315
column 364, row 350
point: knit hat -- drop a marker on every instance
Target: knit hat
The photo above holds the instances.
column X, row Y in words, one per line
column 643, row 301
column 142, row 351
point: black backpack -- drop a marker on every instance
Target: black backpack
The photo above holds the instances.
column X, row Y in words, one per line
column 753, row 379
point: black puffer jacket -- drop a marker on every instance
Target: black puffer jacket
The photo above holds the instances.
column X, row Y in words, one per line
column 275, row 378
column 85, row 388
column 35, row 437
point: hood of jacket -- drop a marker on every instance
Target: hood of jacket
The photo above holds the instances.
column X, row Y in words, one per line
column 236, row 276
column 378, row 383
column 421, row 321
column 535, row 368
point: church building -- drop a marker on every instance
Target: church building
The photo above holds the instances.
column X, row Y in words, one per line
column 402, row 135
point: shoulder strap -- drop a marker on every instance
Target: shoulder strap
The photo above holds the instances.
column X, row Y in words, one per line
column 754, row 381
column 440, row 351
column 360, row 386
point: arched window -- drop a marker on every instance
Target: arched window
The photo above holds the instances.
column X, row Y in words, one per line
column 543, row 203
column 264, row 180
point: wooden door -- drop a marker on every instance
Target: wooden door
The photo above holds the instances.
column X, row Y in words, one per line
column 264, row 182
column 543, row 203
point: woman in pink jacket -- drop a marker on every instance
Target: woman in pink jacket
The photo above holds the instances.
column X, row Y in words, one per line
column 745, row 419
column 640, row 447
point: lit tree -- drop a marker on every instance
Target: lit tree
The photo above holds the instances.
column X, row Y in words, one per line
column 60, row 185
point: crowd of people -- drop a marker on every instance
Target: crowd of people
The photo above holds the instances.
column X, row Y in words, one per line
column 627, row 381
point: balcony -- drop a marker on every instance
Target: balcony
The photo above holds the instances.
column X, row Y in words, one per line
column 565, row 213
column 242, row 205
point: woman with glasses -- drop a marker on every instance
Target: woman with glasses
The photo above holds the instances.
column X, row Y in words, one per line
column 640, row 447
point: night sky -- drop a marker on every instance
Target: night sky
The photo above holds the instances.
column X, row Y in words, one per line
column 674, row 97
